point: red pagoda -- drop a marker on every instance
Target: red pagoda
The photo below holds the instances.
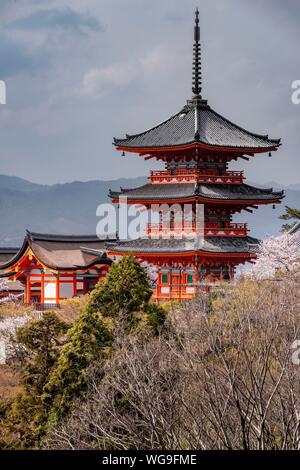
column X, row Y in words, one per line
column 196, row 145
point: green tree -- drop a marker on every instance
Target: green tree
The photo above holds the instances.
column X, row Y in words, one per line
column 88, row 340
column 24, row 415
column 119, row 303
column 43, row 339
column 292, row 215
column 155, row 317
column 125, row 288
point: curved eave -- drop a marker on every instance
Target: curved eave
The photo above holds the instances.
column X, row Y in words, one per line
column 25, row 252
column 197, row 144
column 8, row 274
column 17, row 258
column 246, row 202
column 99, row 261
column 180, row 254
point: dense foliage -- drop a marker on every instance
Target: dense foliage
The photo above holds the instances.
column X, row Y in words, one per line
column 213, row 373
column 125, row 288
column 23, row 417
column 223, row 380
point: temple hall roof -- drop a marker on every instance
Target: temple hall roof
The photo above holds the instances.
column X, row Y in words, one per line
column 7, row 253
column 62, row 252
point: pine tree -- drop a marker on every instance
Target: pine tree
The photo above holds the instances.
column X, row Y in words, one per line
column 23, row 416
column 88, row 341
column 290, row 214
column 125, row 288
column 119, row 302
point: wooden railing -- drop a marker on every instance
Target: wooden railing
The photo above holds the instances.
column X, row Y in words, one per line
column 38, row 307
column 189, row 230
column 190, row 175
column 229, row 230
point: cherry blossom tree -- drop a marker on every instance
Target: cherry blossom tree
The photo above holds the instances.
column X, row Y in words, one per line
column 152, row 273
column 277, row 255
column 9, row 346
column 8, row 297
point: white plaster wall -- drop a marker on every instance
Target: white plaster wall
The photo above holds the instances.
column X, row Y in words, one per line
column 50, row 291
column 66, row 290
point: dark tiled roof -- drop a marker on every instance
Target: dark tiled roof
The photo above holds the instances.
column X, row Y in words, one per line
column 197, row 122
column 211, row 244
column 209, row 191
column 62, row 238
column 296, row 231
column 61, row 252
column 7, row 253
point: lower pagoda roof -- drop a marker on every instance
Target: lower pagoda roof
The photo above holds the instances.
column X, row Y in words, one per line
column 207, row 191
column 247, row 245
column 60, row 252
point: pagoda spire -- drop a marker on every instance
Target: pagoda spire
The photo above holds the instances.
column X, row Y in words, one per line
column 197, row 72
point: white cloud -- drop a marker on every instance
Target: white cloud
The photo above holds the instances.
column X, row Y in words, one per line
column 100, row 81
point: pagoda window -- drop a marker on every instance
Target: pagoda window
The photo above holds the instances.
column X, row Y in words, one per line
column 164, row 278
column 189, row 279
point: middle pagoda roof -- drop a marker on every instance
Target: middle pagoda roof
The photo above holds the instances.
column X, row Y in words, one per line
column 158, row 192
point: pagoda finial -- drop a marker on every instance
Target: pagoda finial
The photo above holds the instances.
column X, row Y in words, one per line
column 197, row 72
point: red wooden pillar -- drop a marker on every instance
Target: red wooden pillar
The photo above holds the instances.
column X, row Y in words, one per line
column 42, row 287
column 57, row 288
column 28, row 290
column 75, row 284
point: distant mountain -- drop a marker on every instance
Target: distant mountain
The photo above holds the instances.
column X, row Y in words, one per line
column 19, row 184
column 70, row 208
column 264, row 221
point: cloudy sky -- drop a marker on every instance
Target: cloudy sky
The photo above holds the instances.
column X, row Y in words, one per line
column 79, row 72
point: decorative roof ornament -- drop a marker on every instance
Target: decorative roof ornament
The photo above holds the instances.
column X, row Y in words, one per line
column 197, row 123
column 197, row 71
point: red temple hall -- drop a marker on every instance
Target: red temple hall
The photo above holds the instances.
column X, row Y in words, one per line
column 196, row 146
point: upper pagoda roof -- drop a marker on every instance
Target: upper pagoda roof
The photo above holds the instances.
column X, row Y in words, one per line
column 197, row 123
column 61, row 252
column 189, row 190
